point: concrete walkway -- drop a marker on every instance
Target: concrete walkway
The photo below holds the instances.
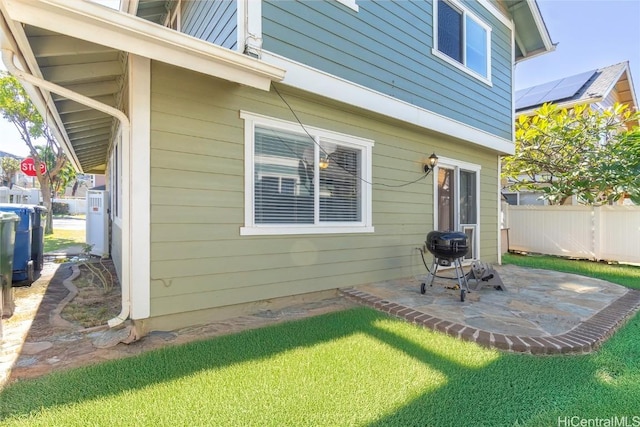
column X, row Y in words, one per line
column 541, row 312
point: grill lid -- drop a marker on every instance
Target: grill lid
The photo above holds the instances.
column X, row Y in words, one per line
column 447, row 244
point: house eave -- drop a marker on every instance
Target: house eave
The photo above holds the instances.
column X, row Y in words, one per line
column 531, row 33
column 121, row 31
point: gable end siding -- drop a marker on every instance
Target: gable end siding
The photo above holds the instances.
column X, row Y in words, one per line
column 386, row 46
column 213, row 21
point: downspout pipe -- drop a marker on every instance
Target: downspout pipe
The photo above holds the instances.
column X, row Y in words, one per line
column 125, row 128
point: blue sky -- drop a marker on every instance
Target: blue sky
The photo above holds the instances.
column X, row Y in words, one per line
column 590, row 34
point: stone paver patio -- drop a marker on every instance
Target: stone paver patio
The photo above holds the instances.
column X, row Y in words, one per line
column 541, row 312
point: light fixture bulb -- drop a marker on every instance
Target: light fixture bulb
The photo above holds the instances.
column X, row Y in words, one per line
column 432, row 162
column 323, row 163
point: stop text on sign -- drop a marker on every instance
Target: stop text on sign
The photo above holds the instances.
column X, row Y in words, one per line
column 28, row 167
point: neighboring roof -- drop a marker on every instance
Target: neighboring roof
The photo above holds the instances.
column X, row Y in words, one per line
column 83, row 47
column 5, row 154
column 584, row 88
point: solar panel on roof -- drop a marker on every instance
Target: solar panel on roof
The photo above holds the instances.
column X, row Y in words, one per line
column 569, row 86
column 528, row 101
column 552, row 91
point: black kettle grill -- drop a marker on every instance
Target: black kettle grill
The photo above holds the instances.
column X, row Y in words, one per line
column 448, row 247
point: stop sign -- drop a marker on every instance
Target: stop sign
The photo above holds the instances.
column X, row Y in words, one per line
column 27, row 166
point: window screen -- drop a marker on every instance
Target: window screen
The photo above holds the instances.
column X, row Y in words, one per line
column 449, row 31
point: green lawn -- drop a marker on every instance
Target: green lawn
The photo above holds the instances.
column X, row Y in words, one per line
column 63, row 238
column 353, row 368
column 625, row 275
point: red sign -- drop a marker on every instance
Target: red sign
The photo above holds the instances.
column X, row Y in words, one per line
column 27, row 166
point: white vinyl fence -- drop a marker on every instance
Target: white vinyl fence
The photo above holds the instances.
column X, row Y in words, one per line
column 76, row 206
column 609, row 233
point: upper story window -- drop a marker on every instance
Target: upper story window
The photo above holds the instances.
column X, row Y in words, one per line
column 304, row 180
column 462, row 39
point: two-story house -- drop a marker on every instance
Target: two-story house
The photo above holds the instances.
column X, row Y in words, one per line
column 260, row 150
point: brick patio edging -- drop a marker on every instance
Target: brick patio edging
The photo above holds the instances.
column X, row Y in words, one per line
column 585, row 337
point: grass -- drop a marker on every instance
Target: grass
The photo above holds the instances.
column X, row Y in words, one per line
column 353, row 368
column 625, row 275
column 63, row 238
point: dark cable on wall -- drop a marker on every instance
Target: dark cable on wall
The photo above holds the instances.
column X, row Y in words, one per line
column 322, row 149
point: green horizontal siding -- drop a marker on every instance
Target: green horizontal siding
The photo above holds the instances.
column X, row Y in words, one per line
column 386, row 46
column 198, row 258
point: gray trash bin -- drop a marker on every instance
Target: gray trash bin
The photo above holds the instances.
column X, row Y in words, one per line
column 37, row 236
column 8, row 222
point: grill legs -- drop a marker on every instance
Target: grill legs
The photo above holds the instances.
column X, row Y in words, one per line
column 460, row 276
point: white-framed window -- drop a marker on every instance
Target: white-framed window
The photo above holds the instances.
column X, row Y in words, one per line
column 304, row 180
column 457, row 200
column 462, row 39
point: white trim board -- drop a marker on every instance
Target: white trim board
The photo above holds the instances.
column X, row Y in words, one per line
column 318, row 82
column 139, row 239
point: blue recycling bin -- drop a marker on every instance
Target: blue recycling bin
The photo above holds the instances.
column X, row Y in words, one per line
column 23, row 266
column 37, row 236
column 8, row 223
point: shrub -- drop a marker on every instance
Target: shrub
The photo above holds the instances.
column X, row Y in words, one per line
column 60, row 208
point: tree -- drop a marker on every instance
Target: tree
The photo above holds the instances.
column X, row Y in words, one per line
column 17, row 108
column 10, row 167
column 63, row 178
column 589, row 153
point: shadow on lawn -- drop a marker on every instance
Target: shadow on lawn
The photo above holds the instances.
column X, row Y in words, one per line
column 506, row 391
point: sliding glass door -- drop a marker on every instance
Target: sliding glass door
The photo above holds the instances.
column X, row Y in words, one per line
column 457, row 200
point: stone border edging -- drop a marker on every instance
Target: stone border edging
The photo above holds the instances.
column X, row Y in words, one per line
column 584, row 338
column 55, row 319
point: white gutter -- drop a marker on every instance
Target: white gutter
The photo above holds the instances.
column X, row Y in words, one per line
column 125, row 127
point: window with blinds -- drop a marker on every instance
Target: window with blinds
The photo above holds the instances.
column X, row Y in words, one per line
column 305, row 180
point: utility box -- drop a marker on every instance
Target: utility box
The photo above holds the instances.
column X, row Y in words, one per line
column 97, row 222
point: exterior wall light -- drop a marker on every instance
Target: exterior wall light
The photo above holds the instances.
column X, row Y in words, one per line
column 431, row 163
